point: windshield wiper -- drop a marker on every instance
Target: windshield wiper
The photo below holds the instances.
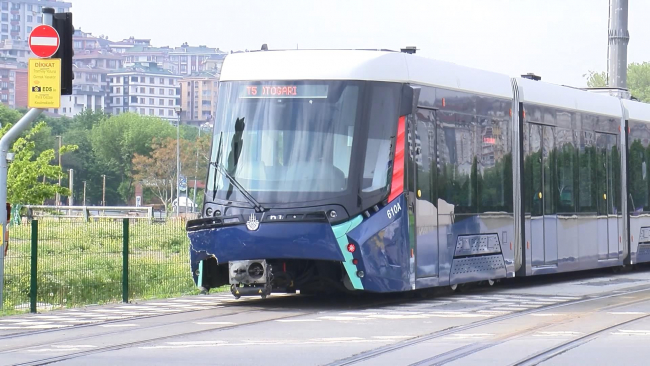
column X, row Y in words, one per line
column 218, row 161
column 256, row 205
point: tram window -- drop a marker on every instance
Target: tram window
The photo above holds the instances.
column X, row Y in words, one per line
column 586, row 172
column 382, row 126
column 638, row 162
column 458, row 180
column 565, row 170
column 494, row 160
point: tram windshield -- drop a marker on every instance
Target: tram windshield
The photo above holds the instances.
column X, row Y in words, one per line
column 290, row 141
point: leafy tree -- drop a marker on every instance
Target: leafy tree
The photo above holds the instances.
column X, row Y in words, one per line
column 638, row 80
column 158, row 170
column 116, row 140
column 83, row 161
column 195, row 156
column 25, row 172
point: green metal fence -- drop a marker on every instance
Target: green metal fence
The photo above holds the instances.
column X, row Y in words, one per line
column 56, row 263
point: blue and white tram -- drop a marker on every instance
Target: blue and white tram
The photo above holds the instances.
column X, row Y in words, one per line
column 385, row 171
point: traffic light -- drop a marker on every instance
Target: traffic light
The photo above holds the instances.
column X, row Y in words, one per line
column 62, row 22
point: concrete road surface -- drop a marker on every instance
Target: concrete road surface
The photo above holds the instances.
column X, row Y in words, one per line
column 591, row 318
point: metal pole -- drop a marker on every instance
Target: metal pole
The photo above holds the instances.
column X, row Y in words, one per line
column 5, row 144
column 33, row 285
column 58, row 196
column 84, row 193
column 196, row 170
column 618, row 39
column 104, row 190
column 71, row 187
column 178, row 162
column 125, row 260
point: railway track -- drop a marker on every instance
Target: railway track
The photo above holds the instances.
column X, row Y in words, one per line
column 150, row 328
column 473, row 348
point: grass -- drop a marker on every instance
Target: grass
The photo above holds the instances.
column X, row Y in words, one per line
column 80, row 263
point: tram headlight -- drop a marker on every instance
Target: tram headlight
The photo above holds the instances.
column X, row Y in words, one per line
column 333, row 214
column 208, row 211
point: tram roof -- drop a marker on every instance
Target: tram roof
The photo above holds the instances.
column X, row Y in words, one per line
column 559, row 96
column 362, row 65
column 637, row 111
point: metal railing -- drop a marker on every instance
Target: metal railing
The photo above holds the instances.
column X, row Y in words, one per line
column 69, row 262
column 88, row 212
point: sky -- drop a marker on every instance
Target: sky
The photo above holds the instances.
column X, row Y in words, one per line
column 560, row 40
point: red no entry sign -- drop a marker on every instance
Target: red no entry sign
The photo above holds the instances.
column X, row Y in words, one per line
column 44, row 41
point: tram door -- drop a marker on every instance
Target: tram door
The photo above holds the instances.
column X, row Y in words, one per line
column 423, row 140
column 608, row 178
column 544, row 205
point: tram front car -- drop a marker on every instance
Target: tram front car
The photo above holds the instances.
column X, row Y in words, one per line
column 306, row 177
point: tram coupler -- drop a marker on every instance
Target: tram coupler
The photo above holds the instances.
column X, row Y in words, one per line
column 239, row 291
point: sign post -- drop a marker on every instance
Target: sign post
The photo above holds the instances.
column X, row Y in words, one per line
column 45, row 87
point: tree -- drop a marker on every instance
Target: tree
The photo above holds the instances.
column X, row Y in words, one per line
column 116, row 140
column 638, row 80
column 158, row 170
column 24, row 182
column 83, row 160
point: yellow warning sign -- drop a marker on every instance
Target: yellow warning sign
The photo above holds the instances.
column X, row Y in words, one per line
column 44, row 85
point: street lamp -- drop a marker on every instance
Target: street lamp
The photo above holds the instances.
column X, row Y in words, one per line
column 178, row 110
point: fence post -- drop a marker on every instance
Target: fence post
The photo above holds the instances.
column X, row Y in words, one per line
column 33, row 287
column 125, row 260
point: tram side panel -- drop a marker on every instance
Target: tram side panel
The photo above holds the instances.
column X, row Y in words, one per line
column 462, row 154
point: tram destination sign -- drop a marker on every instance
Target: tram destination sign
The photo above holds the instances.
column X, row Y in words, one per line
column 300, row 91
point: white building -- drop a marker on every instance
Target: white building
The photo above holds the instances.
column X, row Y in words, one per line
column 188, row 60
column 19, row 17
column 89, row 91
column 145, row 89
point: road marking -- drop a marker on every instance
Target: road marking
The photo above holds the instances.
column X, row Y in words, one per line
column 626, row 313
column 556, row 334
column 117, row 325
column 632, row 332
column 545, row 314
column 195, row 343
column 468, row 336
column 296, row 320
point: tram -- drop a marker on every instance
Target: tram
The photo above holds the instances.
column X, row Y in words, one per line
column 384, row 171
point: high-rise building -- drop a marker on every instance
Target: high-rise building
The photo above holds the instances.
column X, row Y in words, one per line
column 19, row 17
column 146, row 89
column 8, row 81
column 187, row 60
column 199, row 97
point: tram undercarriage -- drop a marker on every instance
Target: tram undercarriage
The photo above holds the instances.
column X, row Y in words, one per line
column 263, row 277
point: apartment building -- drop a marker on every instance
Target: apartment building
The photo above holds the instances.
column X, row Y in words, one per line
column 199, row 97
column 187, row 60
column 146, row 89
column 8, row 69
column 19, row 17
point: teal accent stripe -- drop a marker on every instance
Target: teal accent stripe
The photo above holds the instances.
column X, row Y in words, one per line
column 340, row 232
column 200, row 279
